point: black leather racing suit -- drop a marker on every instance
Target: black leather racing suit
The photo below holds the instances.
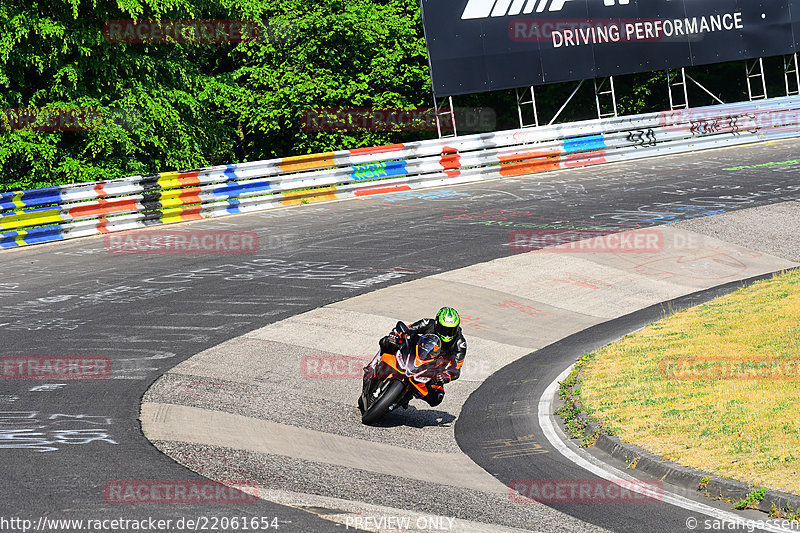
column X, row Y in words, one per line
column 454, row 352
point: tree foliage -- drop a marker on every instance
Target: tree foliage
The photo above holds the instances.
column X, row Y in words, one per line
column 179, row 105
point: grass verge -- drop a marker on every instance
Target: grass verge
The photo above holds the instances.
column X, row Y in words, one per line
column 715, row 388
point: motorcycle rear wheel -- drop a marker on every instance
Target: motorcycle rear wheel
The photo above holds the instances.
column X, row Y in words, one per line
column 391, row 395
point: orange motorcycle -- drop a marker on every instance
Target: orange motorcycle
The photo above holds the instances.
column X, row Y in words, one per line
column 393, row 379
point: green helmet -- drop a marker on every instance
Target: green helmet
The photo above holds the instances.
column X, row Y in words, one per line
column 447, row 322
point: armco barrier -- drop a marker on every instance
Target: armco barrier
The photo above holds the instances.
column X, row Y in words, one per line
column 56, row 213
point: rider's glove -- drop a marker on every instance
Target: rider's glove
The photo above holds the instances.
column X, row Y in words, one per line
column 390, row 343
column 397, row 338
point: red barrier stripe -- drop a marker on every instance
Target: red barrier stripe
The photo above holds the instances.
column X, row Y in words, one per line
column 307, row 162
column 191, row 213
column 377, row 149
column 529, row 162
column 189, row 178
column 103, row 207
column 585, row 159
column 381, row 190
column 191, row 196
column 450, row 161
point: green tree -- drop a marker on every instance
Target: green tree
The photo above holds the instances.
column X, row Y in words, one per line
column 183, row 105
column 333, row 53
column 54, row 55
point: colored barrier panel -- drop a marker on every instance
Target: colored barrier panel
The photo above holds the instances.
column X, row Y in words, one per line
column 78, row 210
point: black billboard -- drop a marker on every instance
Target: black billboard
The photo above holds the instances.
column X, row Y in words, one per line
column 485, row 45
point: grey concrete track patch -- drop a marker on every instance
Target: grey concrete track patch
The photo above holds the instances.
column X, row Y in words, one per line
column 571, row 276
column 487, row 313
column 170, row 422
column 331, row 492
column 768, row 229
column 515, row 304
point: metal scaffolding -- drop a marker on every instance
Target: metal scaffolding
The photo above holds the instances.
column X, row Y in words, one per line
column 610, row 95
column 791, row 75
column 678, row 81
column 442, row 110
column 678, row 91
column 522, row 102
column 755, row 73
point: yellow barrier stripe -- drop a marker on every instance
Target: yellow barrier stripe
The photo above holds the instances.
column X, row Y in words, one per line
column 17, row 199
column 317, row 195
column 30, row 219
column 169, row 180
column 178, row 214
column 19, row 240
column 171, row 201
column 307, row 162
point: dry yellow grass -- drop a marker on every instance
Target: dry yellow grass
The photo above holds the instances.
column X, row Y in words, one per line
column 745, row 426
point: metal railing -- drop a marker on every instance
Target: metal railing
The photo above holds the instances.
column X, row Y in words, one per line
column 69, row 211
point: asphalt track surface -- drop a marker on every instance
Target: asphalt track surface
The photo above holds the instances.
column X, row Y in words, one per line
column 61, row 444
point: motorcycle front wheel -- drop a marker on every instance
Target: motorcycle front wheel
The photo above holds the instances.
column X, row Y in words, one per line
column 391, row 395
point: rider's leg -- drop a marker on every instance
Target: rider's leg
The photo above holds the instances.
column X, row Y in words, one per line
column 435, row 394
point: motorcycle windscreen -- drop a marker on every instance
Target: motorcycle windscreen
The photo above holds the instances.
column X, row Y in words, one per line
column 427, row 357
column 429, row 347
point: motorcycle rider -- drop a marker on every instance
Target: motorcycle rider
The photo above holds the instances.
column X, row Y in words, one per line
column 454, row 349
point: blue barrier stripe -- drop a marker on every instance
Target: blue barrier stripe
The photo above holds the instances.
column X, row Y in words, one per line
column 235, row 190
column 31, row 192
column 41, row 230
column 14, row 201
column 32, row 197
column 8, row 239
column 589, row 143
column 11, row 239
column 230, row 173
column 233, row 206
column 38, row 239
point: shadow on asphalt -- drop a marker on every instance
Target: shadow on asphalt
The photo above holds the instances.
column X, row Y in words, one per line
column 416, row 418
